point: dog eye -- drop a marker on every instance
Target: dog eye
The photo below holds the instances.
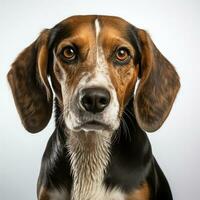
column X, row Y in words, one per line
column 122, row 54
column 69, row 53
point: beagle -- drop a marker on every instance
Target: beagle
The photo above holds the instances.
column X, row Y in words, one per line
column 98, row 150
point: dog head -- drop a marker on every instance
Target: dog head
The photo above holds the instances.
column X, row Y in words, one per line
column 93, row 63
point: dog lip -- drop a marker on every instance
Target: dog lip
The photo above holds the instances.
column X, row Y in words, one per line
column 93, row 125
column 94, row 122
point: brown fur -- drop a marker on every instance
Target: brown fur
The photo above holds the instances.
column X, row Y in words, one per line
column 123, row 77
column 43, row 194
column 29, row 93
column 158, row 86
column 142, row 193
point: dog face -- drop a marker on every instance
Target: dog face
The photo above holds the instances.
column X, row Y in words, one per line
column 94, row 63
column 95, row 68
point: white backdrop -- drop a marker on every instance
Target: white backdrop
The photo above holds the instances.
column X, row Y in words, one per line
column 175, row 28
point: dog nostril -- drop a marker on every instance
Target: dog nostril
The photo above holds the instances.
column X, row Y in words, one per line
column 87, row 101
column 103, row 101
column 95, row 99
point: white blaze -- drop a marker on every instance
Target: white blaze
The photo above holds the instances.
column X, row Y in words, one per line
column 97, row 28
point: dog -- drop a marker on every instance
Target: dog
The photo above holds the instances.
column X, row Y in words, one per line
column 89, row 66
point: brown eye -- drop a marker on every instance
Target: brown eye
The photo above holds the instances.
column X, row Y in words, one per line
column 122, row 54
column 69, row 53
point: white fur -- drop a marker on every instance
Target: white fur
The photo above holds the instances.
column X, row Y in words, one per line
column 58, row 195
column 89, row 154
column 103, row 79
column 89, row 157
column 97, row 28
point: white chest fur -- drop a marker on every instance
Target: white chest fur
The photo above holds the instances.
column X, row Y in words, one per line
column 89, row 153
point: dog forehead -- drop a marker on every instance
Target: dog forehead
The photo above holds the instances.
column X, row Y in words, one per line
column 84, row 26
column 90, row 19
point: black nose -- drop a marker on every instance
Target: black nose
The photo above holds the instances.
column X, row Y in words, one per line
column 95, row 99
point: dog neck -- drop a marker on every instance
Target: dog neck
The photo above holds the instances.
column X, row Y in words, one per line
column 89, row 154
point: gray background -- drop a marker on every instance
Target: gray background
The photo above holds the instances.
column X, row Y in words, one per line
column 175, row 28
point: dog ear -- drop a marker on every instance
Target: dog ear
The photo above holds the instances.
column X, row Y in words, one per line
column 30, row 87
column 157, row 88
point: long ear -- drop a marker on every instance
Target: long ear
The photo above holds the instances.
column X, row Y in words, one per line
column 158, row 86
column 30, row 87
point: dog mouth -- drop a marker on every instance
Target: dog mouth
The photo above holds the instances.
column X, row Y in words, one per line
column 92, row 125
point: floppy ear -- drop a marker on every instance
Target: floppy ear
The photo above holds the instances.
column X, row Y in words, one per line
column 30, row 87
column 158, row 86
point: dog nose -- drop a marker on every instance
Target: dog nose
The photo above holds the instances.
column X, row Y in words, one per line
column 95, row 100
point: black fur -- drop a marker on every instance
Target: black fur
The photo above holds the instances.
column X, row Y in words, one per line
column 131, row 164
